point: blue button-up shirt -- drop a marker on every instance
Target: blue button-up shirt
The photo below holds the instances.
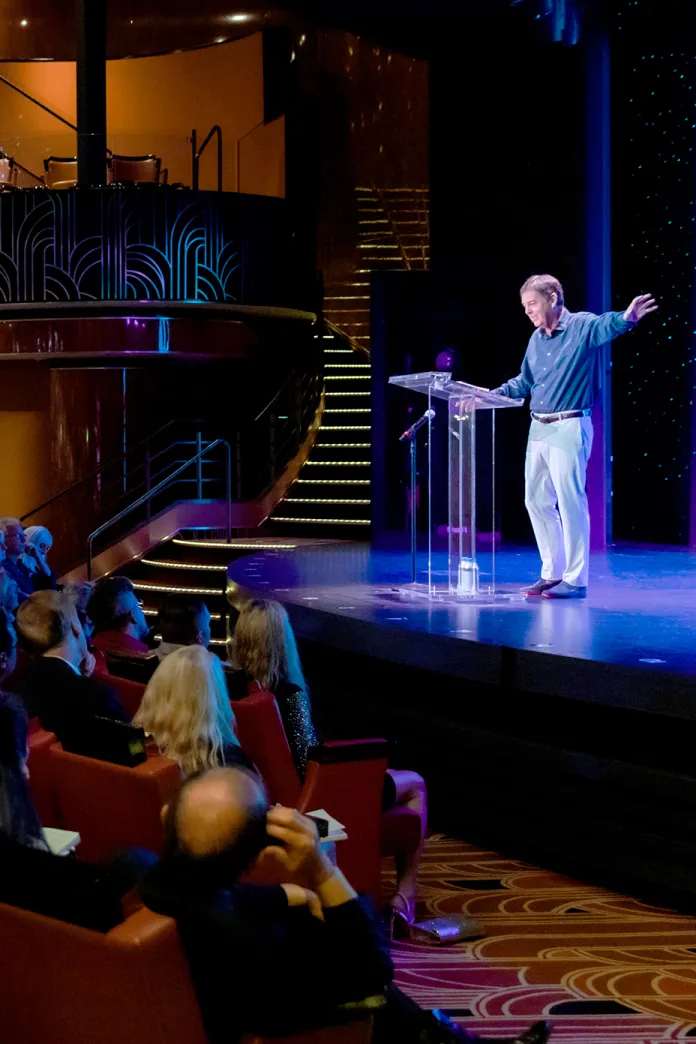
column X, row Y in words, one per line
column 561, row 371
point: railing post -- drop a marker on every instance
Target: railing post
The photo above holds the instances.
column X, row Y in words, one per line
column 228, row 490
column 219, row 159
column 199, row 468
column 148, row 481
column 194, row 160
column 238, row 462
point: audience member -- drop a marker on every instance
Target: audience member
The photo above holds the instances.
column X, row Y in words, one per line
column 58, row 688
column 264, row 648
column 119, row 622
column 186, row 709
column 182, row 620
column 9, row 595
column 38, row 543
column 15, row 541
column 19, row 822
column 8, row 646
column 31, row 877
column 78, row 595
column 295, row 956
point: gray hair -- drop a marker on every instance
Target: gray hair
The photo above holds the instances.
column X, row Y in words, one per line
column 544, row 285
column 9, row 521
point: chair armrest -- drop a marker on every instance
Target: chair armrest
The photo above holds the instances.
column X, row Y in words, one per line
column 336, row 752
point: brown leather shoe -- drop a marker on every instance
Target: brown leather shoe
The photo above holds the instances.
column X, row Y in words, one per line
column 540, row 587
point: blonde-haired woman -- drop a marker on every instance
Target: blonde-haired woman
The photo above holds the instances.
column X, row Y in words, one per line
column 264, row 649
column 186, row 709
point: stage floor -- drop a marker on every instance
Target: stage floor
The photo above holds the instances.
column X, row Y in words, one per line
column 638, row 621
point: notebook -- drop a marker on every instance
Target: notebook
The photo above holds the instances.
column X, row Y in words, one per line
column 61, row 842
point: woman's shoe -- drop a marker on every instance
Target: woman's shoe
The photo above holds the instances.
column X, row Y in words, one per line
column 402, row 914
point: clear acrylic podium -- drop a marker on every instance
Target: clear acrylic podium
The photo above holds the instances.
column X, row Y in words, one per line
column 463, row 403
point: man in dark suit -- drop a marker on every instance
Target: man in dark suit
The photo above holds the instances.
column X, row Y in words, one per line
column 58, row 688
column 276, row 960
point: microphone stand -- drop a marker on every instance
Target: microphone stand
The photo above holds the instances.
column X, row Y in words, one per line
column 410, row 437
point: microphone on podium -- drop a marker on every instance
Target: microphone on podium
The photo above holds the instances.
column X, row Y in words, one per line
column 410, row 432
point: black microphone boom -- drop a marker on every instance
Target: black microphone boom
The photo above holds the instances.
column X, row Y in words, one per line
column 410, row 432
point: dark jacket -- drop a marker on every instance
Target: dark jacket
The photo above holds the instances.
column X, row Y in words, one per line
column 23, row 577
column 259, row 966
column 61, row 887
column 62, row 699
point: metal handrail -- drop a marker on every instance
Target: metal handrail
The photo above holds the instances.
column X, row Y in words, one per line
column 9, row 83
column 147, row 497
column 196, row 155
column 103, row 467
column 239, row 151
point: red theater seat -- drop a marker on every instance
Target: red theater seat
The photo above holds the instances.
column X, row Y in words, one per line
column 110, row 806
column 262, row 736
column 68, row 985
column 346, row 779
column 41, row 783
column 130, row 693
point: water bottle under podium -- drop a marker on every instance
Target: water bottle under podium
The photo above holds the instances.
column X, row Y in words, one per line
column 468, row 577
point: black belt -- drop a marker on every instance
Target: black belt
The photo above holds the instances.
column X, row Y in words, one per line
column 551, row 418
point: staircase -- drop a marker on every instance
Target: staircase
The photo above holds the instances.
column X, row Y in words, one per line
column 333, row 489
column 192, row 562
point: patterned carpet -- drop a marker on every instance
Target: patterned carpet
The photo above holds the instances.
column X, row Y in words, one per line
column 604, row 968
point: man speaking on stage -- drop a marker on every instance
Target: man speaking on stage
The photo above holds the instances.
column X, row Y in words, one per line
column 560, row 373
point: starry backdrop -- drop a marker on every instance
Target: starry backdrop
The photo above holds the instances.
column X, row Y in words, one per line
column 654, row 121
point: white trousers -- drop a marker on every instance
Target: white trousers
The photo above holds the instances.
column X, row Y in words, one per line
column 555, row 497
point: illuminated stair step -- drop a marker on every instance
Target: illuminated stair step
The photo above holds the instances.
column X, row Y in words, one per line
column 167, row 589
column 155, row 612
column 184, row 565
column 324, row 521
column 327, row 500
column 245, row 545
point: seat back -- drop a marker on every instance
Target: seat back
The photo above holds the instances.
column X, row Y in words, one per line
column 41, row 784
column 68, row 985
column 61, row 171
column 262, row 736
column 110, row 806
column 130, row 693
column 347, row 778
column 136, row 168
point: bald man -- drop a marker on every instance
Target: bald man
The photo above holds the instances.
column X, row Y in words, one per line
column 274, row 960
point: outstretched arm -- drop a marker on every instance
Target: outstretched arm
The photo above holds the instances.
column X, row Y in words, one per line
column 610, row 325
